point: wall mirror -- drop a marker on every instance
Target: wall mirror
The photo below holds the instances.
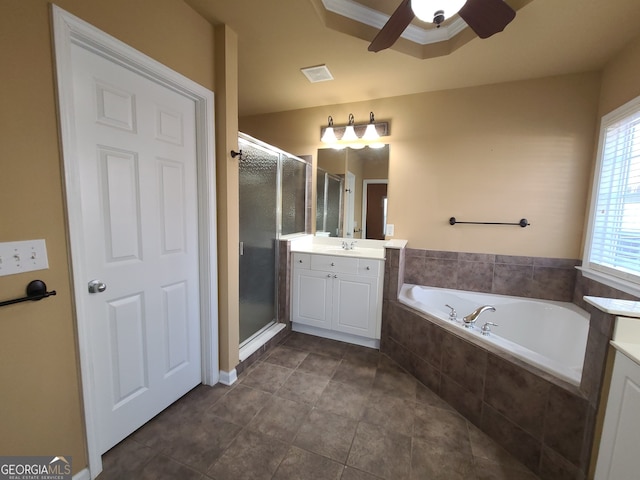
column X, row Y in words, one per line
column 351, row 198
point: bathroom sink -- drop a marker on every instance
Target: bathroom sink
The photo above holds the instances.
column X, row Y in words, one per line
column 362, row 248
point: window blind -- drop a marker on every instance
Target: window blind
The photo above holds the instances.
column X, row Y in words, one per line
column 615, row 236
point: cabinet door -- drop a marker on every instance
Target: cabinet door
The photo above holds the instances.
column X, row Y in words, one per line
column 355, row 304
column 311, row 302
column 619, row 456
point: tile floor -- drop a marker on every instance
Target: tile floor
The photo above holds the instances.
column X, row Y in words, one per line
column 310, row 409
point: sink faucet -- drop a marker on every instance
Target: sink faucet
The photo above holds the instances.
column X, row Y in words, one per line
column 348, row 245
column 470, row 319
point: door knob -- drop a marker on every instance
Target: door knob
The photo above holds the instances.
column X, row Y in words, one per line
column 96, row 286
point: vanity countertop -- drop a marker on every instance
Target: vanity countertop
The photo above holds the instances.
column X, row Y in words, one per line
column 626, row 333
column 362, row 248
column 614, row 306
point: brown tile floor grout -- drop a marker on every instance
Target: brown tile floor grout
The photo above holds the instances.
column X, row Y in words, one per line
column 310, row 409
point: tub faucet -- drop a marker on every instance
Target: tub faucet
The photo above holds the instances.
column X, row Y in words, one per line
column 486, row 328
column 470, row 319
column 453, row 315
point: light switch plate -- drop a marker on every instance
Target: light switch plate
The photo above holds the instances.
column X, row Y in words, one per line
column 25, row 256
column 390, row 229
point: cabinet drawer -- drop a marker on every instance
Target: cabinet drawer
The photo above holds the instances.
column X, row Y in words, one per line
column 330, row 263
column 301, row 260
column 368, row 267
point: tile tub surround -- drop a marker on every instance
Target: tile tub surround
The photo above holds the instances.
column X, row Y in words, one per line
column 529, row 277
column 539, row 421
column 551, row 427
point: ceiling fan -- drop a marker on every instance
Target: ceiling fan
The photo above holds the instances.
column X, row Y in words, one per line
column 485, row 17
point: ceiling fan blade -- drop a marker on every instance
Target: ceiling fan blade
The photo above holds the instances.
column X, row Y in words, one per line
column 397, row 23
column 486, row 17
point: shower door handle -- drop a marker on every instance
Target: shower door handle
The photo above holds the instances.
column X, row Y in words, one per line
column 241, row 248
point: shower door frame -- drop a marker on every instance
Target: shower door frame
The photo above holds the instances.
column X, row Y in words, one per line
column 278, row 223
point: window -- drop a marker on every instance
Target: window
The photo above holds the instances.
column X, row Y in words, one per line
column 613, row 245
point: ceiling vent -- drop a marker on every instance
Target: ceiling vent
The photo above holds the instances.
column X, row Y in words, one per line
column 319, row 73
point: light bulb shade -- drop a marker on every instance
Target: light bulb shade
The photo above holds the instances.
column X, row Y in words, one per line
column 329, row 136
column 426, row 10
column 371, row 133
column 377, row 145
column 349, row 134
column 357, row 146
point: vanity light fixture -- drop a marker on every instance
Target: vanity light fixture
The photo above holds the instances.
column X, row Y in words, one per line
column 329, row 136
column 349, row 132
column 354, row 136
column 370, row 132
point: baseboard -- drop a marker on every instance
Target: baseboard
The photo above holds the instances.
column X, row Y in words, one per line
column 228, row 378
column 82, row 475
column 334, row 335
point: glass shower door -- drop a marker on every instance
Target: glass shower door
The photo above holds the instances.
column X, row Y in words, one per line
column 258, row 172
column 294, row 195
column 334, row 187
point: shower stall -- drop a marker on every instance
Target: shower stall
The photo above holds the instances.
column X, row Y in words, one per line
column 330, row 190
column 273, row 202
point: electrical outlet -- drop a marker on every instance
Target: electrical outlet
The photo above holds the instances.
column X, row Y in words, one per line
column 26, row 256
column 390, row 229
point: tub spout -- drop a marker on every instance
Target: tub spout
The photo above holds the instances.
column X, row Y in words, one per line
column 470, row 319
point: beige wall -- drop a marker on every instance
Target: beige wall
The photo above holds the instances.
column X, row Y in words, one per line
column 333, row 161
column 228, row 206
column 621, row 78
column 40, row 398
column 492, row 153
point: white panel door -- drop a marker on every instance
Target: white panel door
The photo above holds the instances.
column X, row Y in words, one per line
column 137, row 155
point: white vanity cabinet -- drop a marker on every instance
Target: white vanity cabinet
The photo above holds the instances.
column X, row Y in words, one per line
column 338, row 297
column 619, row 455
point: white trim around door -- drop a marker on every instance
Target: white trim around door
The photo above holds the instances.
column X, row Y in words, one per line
column 69, row 30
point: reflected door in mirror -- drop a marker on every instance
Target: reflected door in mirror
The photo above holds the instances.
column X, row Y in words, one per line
column 376, row 210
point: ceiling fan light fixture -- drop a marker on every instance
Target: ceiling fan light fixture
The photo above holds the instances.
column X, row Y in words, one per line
column 436, row 11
